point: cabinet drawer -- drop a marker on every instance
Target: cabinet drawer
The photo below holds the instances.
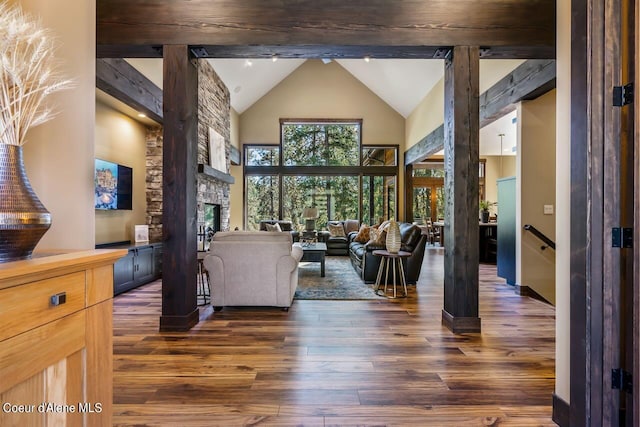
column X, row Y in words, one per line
column 28, row 306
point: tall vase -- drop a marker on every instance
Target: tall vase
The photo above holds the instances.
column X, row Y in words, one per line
column 393, row 237
column 23, row 218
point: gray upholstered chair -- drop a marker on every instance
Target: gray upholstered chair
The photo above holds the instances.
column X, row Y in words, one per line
column 252, row 268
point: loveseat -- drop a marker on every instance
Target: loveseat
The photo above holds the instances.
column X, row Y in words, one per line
column 339, row 245
column 252, row 268
column 284, row 226
column 366, row 264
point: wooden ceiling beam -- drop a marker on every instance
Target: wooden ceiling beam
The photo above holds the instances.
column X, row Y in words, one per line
column 121, row 80
column 332, row 28
column 528, row 81
column 324, row 51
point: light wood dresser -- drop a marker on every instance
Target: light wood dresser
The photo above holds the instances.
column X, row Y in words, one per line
column 56, row 339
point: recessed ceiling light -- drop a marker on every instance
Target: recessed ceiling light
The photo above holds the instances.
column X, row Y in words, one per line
column 367, row 58
column 326, row 60
column 248, row 63
column 142, row 116
column 274, row 57
column 237, row 89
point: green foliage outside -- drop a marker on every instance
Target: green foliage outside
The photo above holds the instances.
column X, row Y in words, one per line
column 429, row 173
column 320, row 144
column 262, row 199
column 422, row 196
column 263, row 156
column 335, row 197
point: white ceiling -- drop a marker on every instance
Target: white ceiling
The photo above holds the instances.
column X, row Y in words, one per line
column 490, row 136
column 401, row 83
column 250, row 79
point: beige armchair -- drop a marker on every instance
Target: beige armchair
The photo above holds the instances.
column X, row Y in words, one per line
column 250, row 268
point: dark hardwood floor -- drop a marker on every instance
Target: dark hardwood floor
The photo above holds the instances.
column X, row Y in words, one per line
column 338, row 363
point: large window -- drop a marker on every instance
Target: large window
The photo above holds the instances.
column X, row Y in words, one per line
column 320, row 144
column 264, row 193
column 378, row 198
column 335, row 198
column 262, row 155
column 320, row 164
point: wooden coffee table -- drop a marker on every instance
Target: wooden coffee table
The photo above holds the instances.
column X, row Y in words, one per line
column 313, row 252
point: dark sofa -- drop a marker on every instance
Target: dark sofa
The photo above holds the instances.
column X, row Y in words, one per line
column 284, row 226
column 337, row 245
column 367, row 264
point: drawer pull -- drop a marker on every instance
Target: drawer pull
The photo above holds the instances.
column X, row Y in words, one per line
column 58, row 299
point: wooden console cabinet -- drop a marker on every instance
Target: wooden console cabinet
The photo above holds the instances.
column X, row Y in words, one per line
column 56, row 340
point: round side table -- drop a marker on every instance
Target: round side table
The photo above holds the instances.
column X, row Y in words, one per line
column 396, row 262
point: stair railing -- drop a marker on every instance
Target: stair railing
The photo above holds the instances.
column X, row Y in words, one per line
column 548, row 242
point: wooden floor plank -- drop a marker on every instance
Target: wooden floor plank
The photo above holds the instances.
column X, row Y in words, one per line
column 342, row 363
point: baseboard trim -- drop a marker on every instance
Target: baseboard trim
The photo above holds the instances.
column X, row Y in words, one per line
column 461, row 325
column 526, row 291
column 179, row 323
column 561, row 411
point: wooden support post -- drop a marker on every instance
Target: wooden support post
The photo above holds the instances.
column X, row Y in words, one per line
column 408, row 194
column 461, row 159
column 179, row 262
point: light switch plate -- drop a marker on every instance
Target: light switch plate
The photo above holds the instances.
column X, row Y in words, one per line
column 548, row 209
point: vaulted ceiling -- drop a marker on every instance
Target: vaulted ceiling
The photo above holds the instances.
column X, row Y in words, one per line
column 401, row 83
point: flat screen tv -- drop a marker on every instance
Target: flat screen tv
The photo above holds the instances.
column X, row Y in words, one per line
column 113, row 186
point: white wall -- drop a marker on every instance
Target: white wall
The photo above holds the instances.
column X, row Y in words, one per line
column 59, row 154
column 563, row 197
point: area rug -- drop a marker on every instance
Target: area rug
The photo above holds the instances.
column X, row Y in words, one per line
column 341, row 282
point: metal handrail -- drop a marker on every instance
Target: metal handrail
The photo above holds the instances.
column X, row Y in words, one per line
column 548, row 242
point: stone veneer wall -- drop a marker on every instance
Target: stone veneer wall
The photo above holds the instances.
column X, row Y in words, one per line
column 154, row 183
column 214, row 111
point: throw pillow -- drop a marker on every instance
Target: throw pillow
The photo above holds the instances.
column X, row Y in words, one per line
column 273, row 227
column 377, row 236
column 363, row 235
column 351, row 225
column 336, row 230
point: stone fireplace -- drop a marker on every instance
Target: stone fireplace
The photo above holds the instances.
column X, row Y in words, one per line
column 214, row 108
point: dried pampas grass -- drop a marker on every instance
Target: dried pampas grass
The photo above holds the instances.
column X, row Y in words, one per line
column 27, row 74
